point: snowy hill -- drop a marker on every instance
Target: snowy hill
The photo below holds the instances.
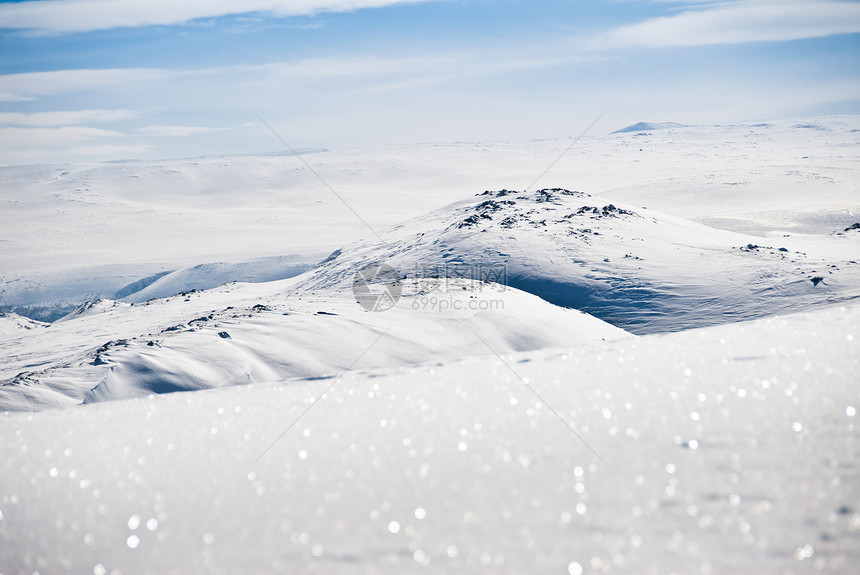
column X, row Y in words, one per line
column 12, row 324
column 247, row 333
column 632, row 267
column 648, row 126
column 206, row 276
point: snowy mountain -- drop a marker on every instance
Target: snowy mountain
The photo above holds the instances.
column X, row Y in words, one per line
column 649, row 126
column 636, row 269
column 632, row 267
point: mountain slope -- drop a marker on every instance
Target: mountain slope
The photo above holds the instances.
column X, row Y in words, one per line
column 635, row 268
column 247, row 333
column 646, row 126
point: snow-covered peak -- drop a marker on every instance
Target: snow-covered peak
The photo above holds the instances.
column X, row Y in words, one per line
column 12, row 324
column 93, row 307
column 633, row 267
column 648, row 126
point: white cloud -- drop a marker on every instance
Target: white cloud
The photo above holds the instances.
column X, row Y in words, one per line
column 182, row 131
column 9, row 97
column 379, row 71
column 12, row 138
column 22, row 145
column 33, row 85
column 63, row 118
column 108, row 152
column 49, row 155
column 740, row 22
column 189, row 112
column 61, row 16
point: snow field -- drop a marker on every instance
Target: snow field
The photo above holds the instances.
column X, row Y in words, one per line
column 724, row 449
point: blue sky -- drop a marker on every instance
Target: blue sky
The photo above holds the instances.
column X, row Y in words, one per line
column 92, row 80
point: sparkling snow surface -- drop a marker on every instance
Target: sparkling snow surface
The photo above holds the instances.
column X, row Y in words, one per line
column 722, row 450
column 470, row 429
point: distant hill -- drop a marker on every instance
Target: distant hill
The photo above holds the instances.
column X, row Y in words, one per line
column 645, row 126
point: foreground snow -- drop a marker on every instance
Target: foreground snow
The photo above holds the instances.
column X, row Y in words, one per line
column 730, row 449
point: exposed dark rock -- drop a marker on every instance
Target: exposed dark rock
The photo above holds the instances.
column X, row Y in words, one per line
column 105, row 348
column 508, row 222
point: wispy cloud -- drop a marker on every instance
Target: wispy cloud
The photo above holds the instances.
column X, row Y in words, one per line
column 419, row 70
column 63, row 118
column 22, row 137
column 739, row 22
column 63, row 16
column 34, row 85
column 197, row 108
column 414, row 84
column 65, row 143
column 184, row 131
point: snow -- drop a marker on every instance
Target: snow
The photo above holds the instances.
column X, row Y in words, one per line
column 724, row 449
column 647, row 126
column 73, row 233
column 206, row 276
column 635, row 268
column 11, row 324
column 700, row 418
column 111, row 350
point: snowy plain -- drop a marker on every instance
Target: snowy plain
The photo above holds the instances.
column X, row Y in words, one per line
column 473, row 427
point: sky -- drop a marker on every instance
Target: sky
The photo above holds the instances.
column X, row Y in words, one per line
column 105, row 80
